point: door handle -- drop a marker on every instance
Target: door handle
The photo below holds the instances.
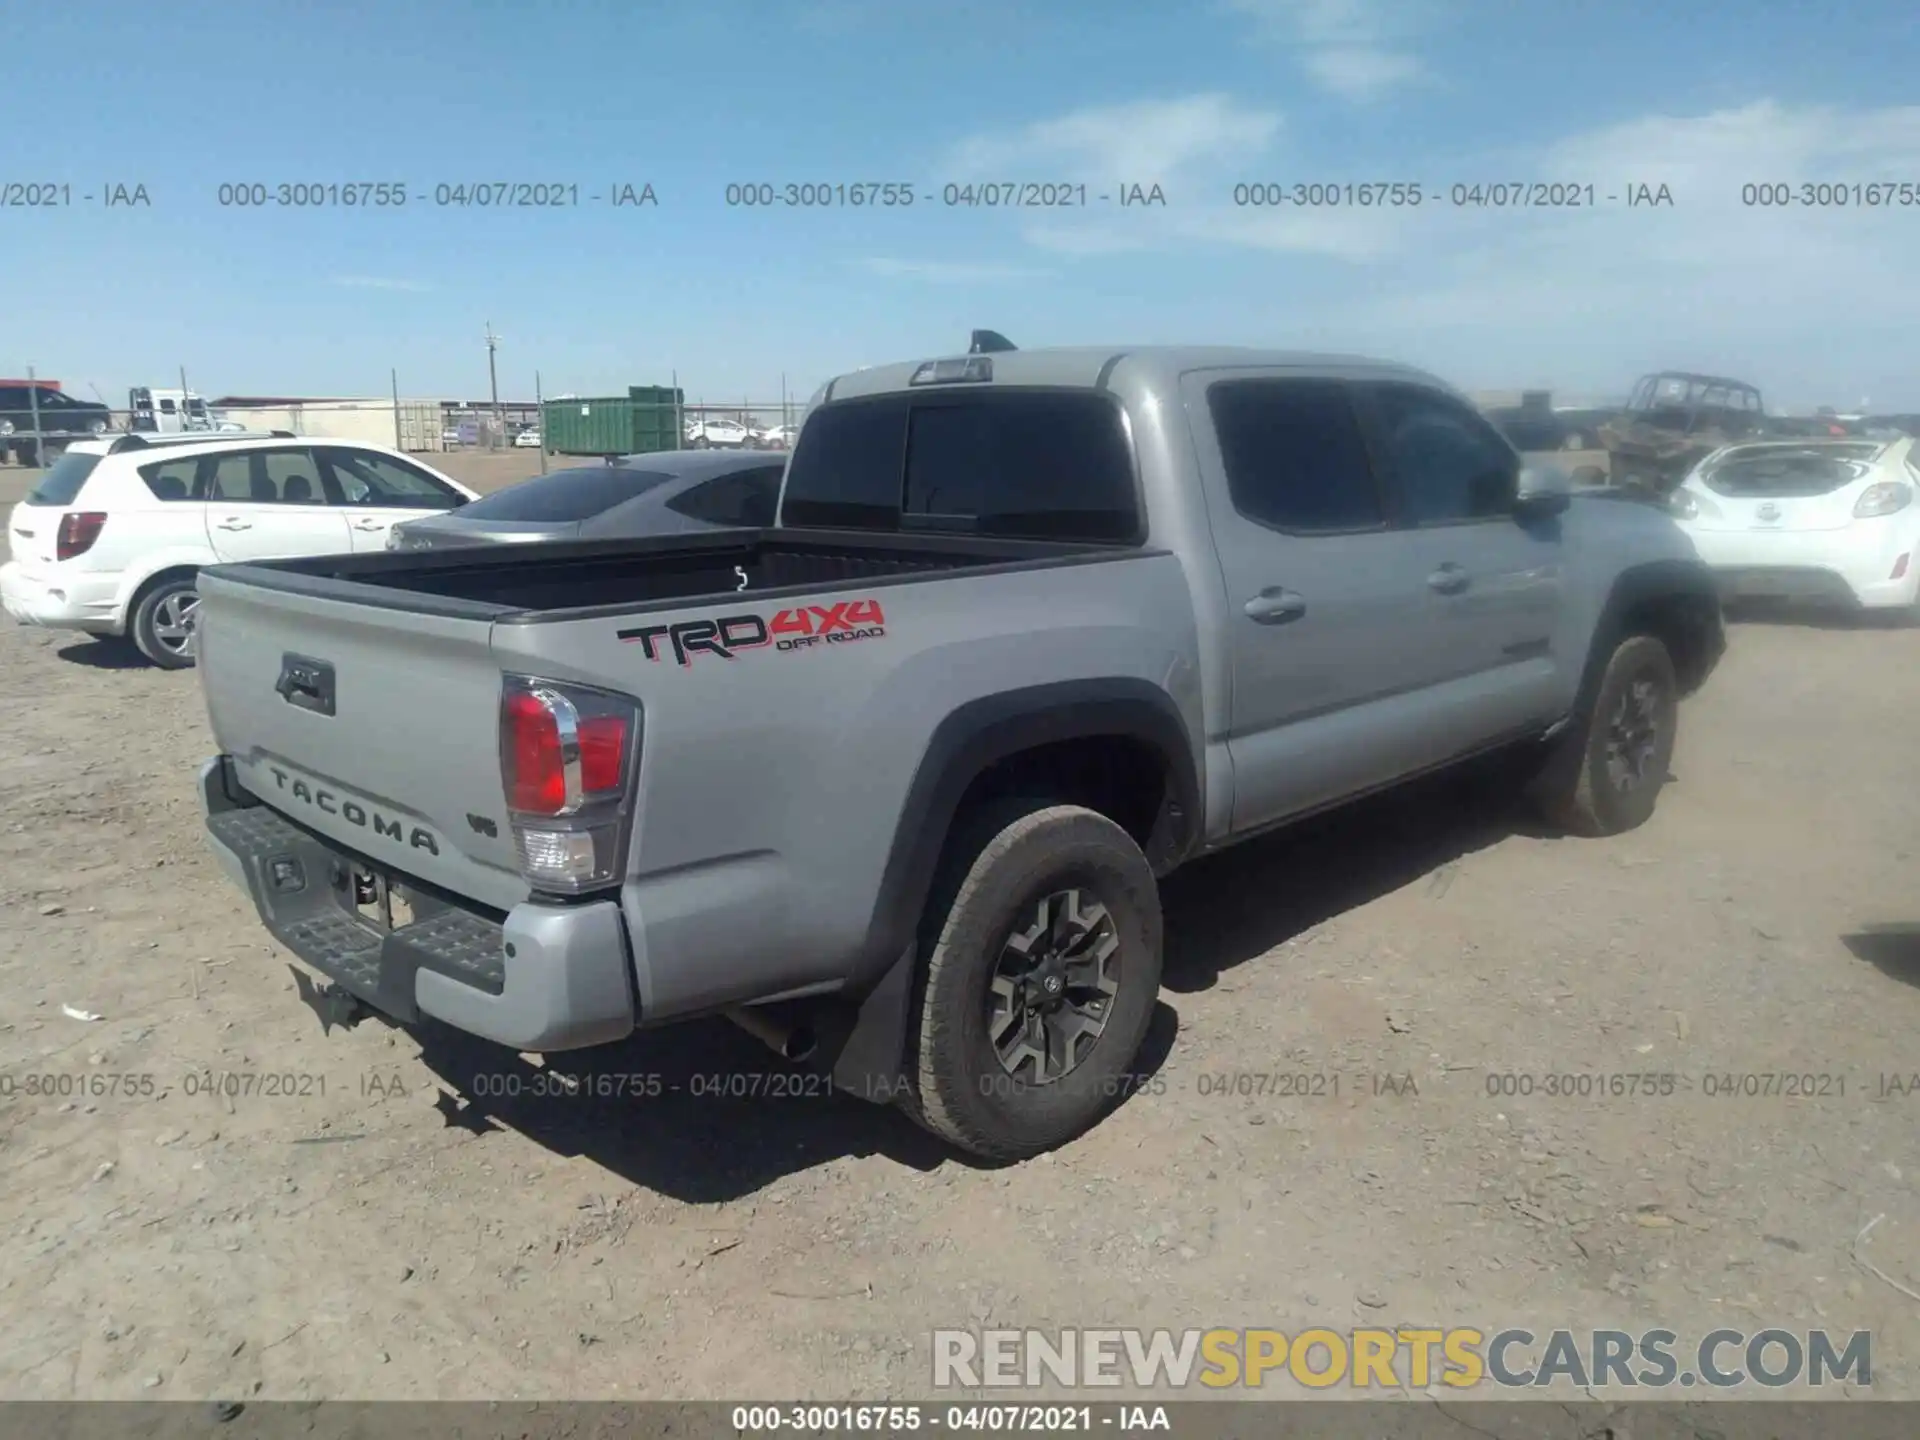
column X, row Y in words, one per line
column 371, row 524
column 232, row 524
column 1275, row 606
column 1449, row 579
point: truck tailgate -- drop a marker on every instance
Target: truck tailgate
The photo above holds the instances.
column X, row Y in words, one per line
column 375, row 727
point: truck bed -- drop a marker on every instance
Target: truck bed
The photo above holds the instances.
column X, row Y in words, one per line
column 574, row 576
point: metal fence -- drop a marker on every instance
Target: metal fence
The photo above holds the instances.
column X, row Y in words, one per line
column 38, row 420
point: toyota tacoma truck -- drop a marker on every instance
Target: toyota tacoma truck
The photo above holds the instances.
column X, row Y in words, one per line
column 891, row 782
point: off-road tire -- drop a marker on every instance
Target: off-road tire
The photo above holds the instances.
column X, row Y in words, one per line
column 1574, row 789
column 1000, row 864
column 146, row 621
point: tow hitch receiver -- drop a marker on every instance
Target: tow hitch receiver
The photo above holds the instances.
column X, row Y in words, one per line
column 332, row 1004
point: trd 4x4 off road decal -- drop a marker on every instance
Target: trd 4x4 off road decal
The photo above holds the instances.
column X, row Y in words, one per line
column 725, row 636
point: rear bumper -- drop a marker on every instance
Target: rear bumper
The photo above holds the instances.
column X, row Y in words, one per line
column 77, row 602
column 1847, row 567
column 544, row 977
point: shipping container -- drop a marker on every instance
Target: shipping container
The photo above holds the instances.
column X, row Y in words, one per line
column 657, row 418
column 638, row 423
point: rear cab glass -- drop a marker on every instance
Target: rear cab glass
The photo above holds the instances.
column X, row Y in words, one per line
column 565, row 495
column 1012, row 463
column 1788, row 473
column 62, row 483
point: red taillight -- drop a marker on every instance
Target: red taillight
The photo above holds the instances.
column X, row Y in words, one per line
column 78, row 530
column 533, row 722
column 603, row 753
column 569, row 764
column 536, row 778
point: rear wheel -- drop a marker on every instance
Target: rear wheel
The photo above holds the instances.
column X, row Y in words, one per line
column 1041, row 971
column 1607, row 770
column 165, row 623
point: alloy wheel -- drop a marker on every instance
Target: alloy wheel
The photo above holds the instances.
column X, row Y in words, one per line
column 174, row 621
column 1053, row 987
column 1633, row 736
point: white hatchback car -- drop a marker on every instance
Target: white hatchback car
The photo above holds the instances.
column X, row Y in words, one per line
column 1818, row 520
column 111, row 539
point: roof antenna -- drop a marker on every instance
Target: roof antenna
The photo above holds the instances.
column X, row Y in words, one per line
column 990, row 342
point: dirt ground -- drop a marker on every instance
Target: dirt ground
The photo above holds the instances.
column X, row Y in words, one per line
column 384, row 1231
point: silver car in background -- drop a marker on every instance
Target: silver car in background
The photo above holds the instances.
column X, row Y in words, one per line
column 672, row 492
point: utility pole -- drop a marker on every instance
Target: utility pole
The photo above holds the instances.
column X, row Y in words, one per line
column 540, row 408
column 493, row 379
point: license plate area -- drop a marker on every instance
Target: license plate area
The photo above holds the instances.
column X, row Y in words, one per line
column 372, row 896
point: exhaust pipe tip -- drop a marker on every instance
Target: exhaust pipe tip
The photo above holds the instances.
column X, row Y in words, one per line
column 800, row 1044
column 793, row 1042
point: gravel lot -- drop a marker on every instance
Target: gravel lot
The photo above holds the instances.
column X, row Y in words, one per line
column 373, row 1236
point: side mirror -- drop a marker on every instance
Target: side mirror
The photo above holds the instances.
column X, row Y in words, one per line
column 1543, row 490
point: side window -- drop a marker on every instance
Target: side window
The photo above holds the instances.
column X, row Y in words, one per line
column 744, row 500
column 1026, row 465
column 267, row 477
column 172, row 479
column 1294, row 455
column 1446, row 463
column 366, row 477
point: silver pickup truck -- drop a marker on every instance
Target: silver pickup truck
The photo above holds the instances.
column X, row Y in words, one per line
column 891, row 783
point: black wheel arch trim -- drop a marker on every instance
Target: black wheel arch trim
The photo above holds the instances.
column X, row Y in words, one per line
column 1654, row 581
column 984, row 732
column 863, row 1032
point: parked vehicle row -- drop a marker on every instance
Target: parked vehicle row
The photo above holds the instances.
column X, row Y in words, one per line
column 723, row 433
column 893, row 780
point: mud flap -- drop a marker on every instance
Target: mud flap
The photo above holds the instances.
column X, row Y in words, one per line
column 864, row 1045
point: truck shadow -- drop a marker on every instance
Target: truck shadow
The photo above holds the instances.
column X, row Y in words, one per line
column 704, row 1113
column 1236, row 906
column 1893, row 950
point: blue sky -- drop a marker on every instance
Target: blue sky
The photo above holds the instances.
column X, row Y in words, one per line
column 1815, row 305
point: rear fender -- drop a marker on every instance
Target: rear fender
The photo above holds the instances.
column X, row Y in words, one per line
column 862, row 1036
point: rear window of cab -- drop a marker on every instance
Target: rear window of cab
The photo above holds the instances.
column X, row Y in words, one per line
column 1018, row 464
column 64, row 478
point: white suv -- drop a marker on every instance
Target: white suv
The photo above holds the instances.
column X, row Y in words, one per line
column 717, row 432
column 110, row 540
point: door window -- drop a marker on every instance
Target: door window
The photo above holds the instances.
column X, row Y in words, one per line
column 1448, row 466
column 368, row 478
column 267, row 477
column 1294, row 456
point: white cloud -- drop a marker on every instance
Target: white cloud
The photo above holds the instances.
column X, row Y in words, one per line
column 1581, row 297
column 940, row 272
column 377, row 282
column 1357, row 49
column 1360, row 72
column 1141, row 143
column 1590, row 296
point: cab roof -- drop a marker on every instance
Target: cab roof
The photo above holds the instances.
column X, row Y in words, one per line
column 1093, row 367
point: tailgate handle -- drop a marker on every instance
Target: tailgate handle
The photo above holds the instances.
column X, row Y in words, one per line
column 306, row 683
